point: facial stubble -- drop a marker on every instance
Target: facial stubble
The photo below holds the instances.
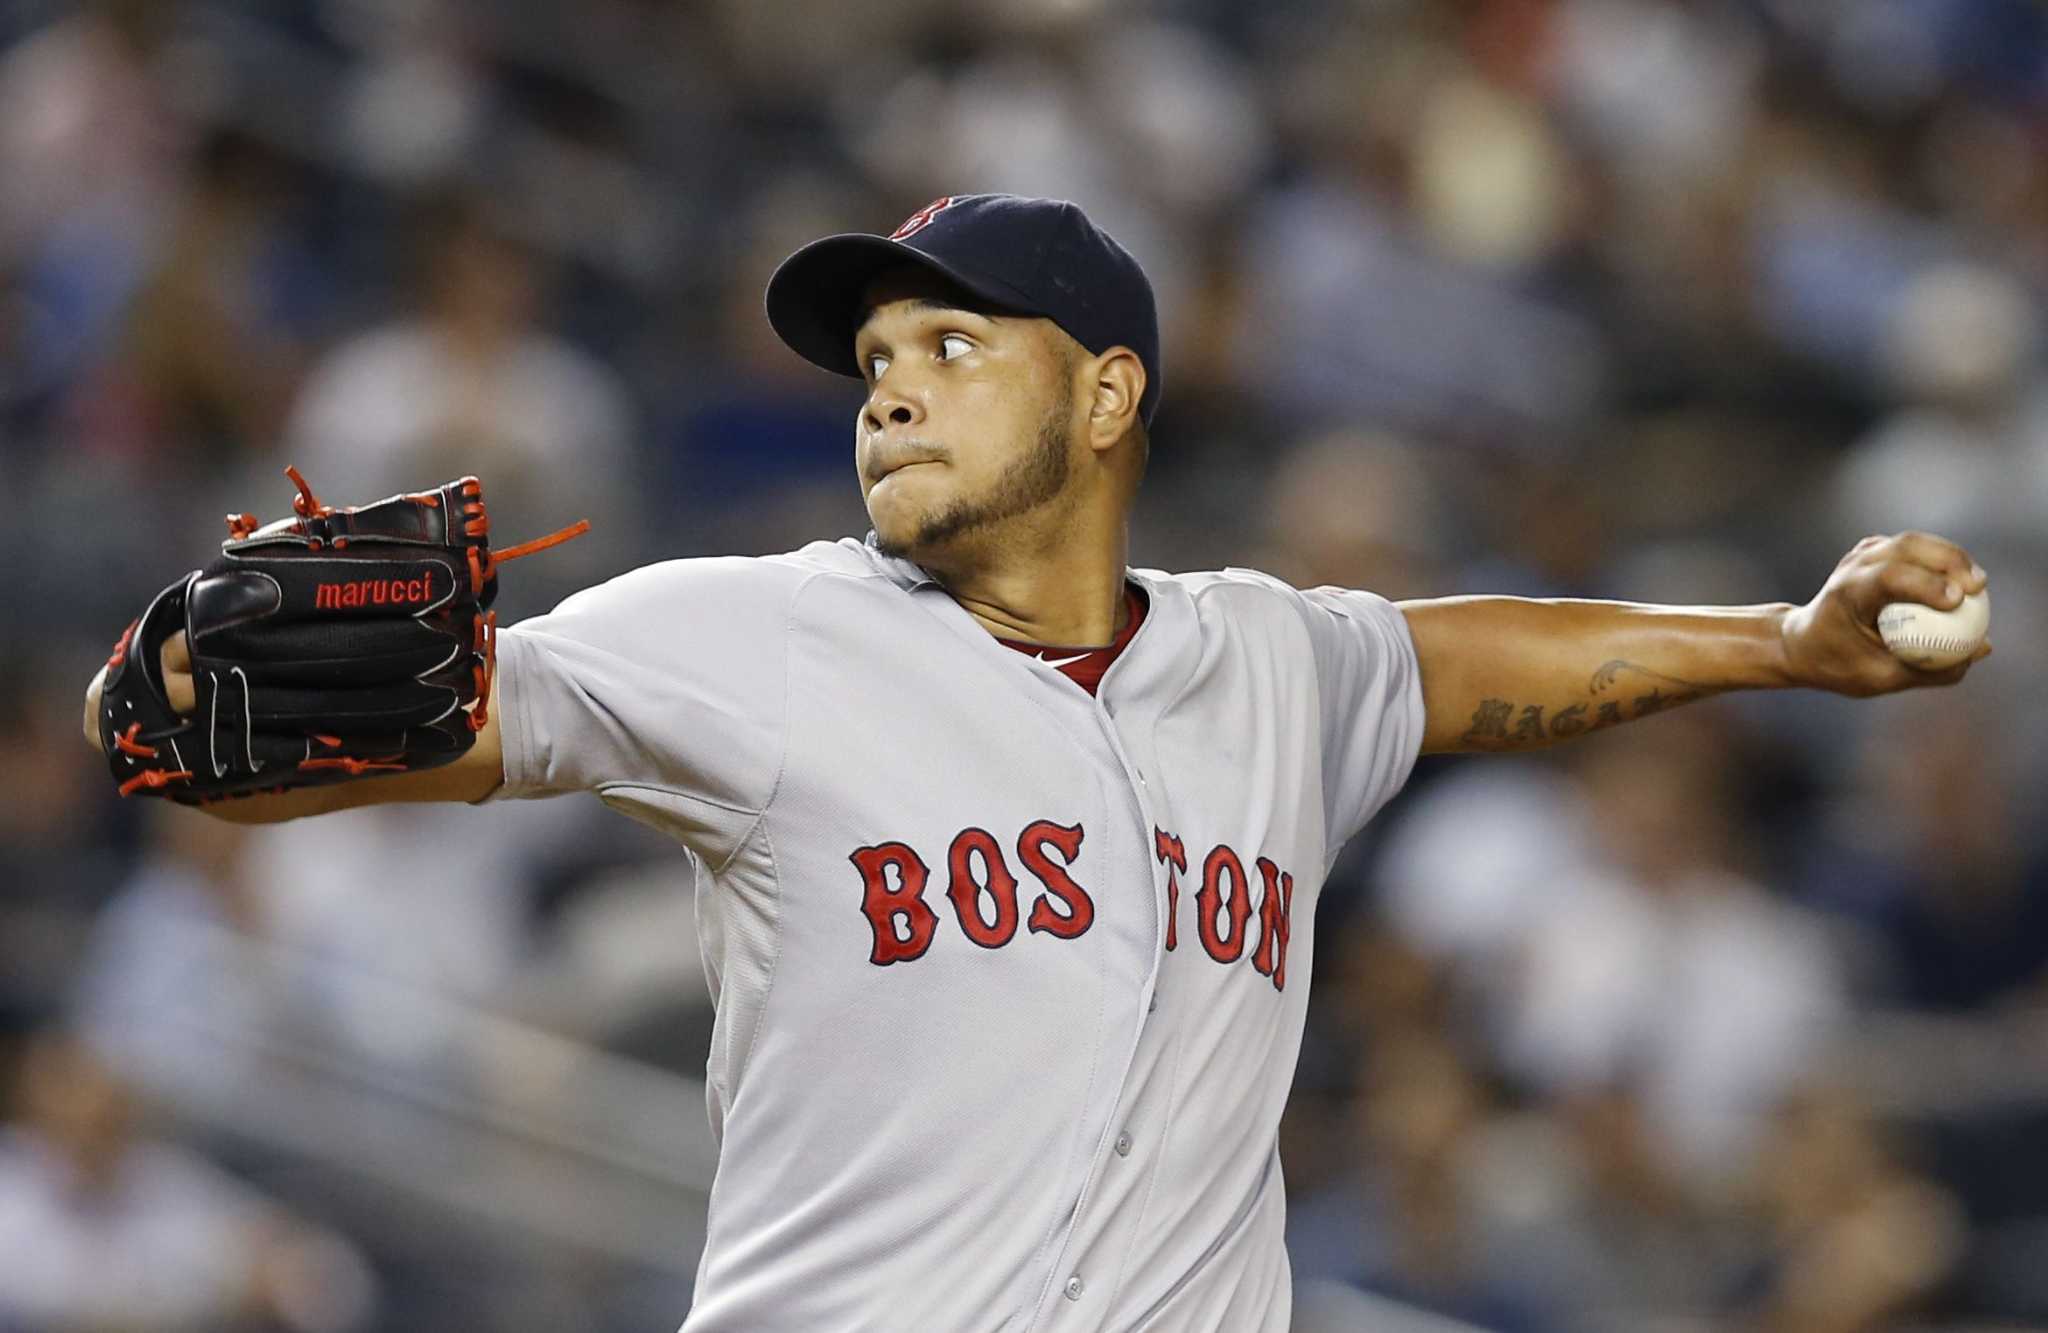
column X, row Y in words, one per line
column 1029, row 482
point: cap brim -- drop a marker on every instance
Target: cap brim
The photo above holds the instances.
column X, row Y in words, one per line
column 814, row 298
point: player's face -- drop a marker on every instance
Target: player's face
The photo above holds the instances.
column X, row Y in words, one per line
column 968, row 423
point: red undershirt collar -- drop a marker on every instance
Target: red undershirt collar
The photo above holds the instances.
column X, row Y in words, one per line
column 1085, row 666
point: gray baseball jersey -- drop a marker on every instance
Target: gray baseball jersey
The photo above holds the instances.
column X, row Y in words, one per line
column 1010, row 978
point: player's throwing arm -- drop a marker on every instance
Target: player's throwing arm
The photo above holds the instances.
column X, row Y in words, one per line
column 1506, row 673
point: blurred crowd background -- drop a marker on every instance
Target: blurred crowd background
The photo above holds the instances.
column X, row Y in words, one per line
column 1733, row 1019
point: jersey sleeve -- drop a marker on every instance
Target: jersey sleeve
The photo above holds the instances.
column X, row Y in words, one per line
column 1371, row 691
column 662, row 689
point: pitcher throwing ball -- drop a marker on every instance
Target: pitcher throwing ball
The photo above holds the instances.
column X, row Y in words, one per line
column 1015, row 849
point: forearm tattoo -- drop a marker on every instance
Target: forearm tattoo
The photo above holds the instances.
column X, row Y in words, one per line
column 1618, row 692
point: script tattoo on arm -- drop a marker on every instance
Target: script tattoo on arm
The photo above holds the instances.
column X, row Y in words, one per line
column 1618, row 692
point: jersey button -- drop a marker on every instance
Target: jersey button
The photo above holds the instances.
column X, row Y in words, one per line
column 1074, row 1287
column 1123, row 1144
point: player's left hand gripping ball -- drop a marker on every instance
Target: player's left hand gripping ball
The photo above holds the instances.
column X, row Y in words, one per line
column 338, row 643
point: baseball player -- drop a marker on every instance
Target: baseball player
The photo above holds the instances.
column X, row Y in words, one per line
column 1013, row 850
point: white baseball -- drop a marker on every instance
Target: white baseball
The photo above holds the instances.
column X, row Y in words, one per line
column 1930, row 638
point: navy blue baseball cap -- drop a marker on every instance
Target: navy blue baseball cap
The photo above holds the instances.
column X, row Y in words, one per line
column 1038, row 257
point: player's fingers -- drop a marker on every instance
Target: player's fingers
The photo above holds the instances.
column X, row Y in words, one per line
column 176, row 660
column 1905, row 582
column 92, row 709
column 1935, row 678
column 1941, row 554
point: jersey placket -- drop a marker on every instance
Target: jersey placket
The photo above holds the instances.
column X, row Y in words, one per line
column 1085, row 718
column 1073, row 1291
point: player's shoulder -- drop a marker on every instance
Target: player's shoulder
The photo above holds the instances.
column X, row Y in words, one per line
column 1231, row 588
column 764, row 582
column 1249, row 601
column 1251, row 586
column 846, row 558
column 1230, row 605
column 1226, row 581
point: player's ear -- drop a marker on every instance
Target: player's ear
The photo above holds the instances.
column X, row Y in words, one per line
column 1114, row 383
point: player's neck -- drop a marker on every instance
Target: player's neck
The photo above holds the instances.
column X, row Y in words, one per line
column 1069, row 593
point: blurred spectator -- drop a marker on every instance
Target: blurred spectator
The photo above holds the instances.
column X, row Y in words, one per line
column 1355, row 510
column 90, row 137
column 415, row 103
column 62, row 846
column 215, row 338
column 1858, row 1240
column 387, row 914
column 1967, row 453
column 1324, row 266
column 472, row 382
column 1663, row 969
column 1929, row 849
column 1469, row 902
column 105, row 1229
column 1420, row 1121
column 232, row 941
column 166, row 991
column 758, row 444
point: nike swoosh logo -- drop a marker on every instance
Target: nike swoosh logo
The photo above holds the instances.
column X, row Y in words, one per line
column 1064, row 661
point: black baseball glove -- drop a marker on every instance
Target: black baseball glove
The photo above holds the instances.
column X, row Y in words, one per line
column 332, row 645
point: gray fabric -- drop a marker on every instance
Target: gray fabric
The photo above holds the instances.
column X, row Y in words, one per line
column 955, row 1107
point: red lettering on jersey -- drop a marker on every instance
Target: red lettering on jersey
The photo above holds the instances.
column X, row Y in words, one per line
column 1080, row 908
column 1173, row 854
column 997, row 881
column 1225, row 946
column 883, row 905
column 922, row 218
column 1276, row 923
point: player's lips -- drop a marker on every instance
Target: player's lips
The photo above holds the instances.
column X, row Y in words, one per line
column 881, row 470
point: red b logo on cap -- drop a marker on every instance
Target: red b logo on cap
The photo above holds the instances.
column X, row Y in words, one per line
column 922, row 218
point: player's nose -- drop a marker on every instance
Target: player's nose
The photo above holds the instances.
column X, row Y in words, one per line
column 889, row 406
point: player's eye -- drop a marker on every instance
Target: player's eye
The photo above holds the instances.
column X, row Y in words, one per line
column 954, row 345
column 877, row 363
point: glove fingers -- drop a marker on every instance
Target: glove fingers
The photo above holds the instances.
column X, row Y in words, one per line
column 389, row 707
column 237, row 764
column 336, row 654
column 390, row 750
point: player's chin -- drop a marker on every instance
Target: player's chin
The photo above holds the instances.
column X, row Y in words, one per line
column 900, row 505
column 896, row 522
